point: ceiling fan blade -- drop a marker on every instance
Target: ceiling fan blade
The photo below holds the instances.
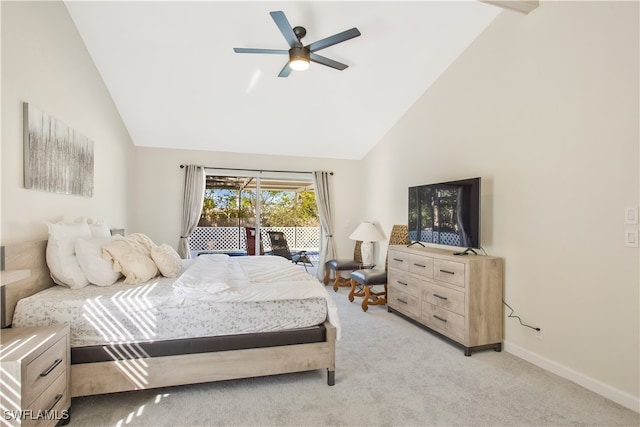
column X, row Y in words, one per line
column 314, row 57
column 334, row 39
column 252, row 50
column 285, row 71
column 285, row 28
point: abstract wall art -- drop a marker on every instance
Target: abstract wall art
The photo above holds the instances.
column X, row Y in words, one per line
column 57, row 158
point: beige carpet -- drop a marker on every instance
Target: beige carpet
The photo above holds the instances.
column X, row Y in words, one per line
column 388, row 373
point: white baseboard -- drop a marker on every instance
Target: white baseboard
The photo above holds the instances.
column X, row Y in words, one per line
column 625, row 399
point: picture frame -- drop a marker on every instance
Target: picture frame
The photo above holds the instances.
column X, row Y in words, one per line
column 57, row 158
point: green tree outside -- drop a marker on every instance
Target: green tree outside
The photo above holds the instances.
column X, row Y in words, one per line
column 231, row 208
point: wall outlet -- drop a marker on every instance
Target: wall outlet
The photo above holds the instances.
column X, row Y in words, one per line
column 631, row 215
column 539, row 334
column 631, row 237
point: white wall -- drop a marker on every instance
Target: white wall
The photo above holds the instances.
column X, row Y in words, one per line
column 45, row 63
column 544, row 108
column 158, row 185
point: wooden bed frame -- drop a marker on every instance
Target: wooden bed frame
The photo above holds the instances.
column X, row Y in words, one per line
column 116, row 376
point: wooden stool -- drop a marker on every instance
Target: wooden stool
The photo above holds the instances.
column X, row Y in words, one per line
column 338, row 265
column 366, row 279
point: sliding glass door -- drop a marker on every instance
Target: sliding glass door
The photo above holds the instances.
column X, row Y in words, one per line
column 239, row 211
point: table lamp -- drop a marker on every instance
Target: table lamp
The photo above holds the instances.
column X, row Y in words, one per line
column 367, row 233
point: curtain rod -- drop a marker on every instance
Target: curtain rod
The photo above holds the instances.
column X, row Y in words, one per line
column 253, row 170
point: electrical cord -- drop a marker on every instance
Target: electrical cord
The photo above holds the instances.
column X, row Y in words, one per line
column 518, row 317
column 512, row 310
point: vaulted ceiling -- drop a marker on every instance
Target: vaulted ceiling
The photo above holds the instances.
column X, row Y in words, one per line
column 177, row 83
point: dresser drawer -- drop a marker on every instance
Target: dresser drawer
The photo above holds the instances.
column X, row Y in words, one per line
column 449, row 271
column 44, row 369
column 404, row 303
column 398, row 260
column 422, row 265
column 404, row 282
column 447, row 298
column 51, row 403
column 444, row 321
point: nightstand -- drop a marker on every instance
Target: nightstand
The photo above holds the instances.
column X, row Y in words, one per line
column 34, row 363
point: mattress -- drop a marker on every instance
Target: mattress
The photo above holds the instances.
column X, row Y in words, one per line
column 252, row 295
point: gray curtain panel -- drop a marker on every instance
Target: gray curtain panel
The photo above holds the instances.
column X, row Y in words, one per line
column 194, row 183
column 323, row 183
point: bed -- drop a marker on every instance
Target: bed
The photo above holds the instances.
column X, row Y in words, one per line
column 296, row 331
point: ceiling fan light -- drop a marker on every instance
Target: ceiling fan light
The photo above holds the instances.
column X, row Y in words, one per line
column 299, row 64
column 298, row 58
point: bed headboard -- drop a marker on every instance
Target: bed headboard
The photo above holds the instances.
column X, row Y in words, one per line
column 23, row 256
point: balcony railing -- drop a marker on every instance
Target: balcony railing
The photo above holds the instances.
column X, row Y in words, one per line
column 234, row 238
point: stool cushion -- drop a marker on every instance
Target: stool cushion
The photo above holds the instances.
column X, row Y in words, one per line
column 370, row 277
column 342, row 264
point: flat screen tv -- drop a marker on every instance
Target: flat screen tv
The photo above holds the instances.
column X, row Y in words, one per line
column 446, row 213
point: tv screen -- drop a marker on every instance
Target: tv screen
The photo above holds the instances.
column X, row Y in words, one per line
column 446, row 213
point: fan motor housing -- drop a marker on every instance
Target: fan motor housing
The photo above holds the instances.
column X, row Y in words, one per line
column 299, row 52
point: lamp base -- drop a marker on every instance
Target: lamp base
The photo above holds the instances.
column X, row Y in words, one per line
column 366, row 249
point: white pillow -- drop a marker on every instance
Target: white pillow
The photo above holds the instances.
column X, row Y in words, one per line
column 63, row 265
column 100, row 229
column 167, row 260
column 134, row 264
column 98, row 270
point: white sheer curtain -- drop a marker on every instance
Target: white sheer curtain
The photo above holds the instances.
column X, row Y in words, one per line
column 194, row 183
column 323, row 182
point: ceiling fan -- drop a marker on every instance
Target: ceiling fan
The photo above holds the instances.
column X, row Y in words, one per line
column 299, row 55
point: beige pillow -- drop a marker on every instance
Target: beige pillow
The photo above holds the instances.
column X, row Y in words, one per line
column 130, row 260
column 167, row 260
column 142, row 242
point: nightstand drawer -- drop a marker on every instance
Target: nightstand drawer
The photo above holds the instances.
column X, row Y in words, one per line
column 447, row 322
column 449, row 271
column 44, row 369
column 38, row 363
column 446, row 298
column 51, row 403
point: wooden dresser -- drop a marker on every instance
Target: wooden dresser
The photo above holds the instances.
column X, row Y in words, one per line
column 35, row 375
column 459, row 297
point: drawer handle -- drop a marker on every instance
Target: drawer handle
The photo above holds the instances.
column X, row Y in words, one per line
column 440, row 296
column 55, row 402
column 398, row 259
column 403, row 283
column 402, row 301
column 51, row 368
column 448, row 272
column 420, row 265
column 440, row 318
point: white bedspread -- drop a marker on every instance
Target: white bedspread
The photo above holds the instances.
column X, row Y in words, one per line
column 221, row 278
column 260, row 294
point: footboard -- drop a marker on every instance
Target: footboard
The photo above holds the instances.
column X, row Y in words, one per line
column 138, row 374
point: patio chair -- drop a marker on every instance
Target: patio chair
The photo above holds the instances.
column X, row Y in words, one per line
column 280, row 247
